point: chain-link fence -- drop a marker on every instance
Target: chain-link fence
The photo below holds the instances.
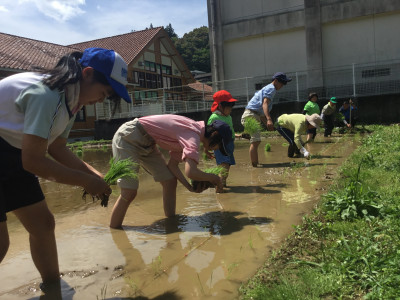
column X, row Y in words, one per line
column 356, row 81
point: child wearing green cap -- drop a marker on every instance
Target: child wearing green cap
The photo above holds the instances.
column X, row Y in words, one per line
column 328, row 116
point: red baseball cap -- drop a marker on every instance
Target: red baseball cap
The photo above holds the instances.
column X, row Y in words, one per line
column 221, row 96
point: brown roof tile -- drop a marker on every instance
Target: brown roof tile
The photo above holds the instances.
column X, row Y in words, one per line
column 128, row 45
column 25, row 54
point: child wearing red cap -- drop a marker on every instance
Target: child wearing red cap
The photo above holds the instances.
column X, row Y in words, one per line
column 221, row 110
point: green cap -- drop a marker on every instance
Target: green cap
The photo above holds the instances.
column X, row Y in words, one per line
column 333, row 100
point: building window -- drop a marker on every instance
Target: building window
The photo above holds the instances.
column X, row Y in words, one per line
column 149, row 66
column 375, row 73
column 167, row 82
column 166, row 70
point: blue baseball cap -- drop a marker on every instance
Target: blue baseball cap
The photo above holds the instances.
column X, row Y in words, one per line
column 281, row 77
column 111, row 65
column 226, row 134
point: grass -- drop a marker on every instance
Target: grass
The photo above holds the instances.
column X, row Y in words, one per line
column 348, row 247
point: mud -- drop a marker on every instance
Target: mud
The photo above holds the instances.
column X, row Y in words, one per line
column 216, row 242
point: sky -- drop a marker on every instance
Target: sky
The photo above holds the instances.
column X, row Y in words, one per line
column 66, row 22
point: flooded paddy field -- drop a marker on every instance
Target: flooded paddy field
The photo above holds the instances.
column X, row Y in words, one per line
column 216, row 241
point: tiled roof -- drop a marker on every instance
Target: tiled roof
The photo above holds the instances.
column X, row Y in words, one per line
column 128, row 45
column 25, row 54
column 203, row 88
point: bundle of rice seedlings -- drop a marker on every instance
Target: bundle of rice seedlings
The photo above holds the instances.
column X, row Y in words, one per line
column 118, row 169
column 251, row 126
column 220, row 171
column 267, row 147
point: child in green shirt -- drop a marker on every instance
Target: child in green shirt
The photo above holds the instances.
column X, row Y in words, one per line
column 221, row 110
column 310, row 108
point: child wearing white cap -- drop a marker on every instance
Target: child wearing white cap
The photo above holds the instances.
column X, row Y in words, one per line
column 37, row 111
column 292, row 126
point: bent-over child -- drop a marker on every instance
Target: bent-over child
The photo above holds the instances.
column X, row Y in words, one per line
column 292, row 126
column 181, row 136
column 328, row 116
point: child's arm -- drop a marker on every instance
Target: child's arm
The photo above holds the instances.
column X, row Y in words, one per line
column 173, row 166
column 34, row 160
column 61, row 153
column 194, row 173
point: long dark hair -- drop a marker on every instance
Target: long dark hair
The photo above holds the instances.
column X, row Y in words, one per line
column 68, row 70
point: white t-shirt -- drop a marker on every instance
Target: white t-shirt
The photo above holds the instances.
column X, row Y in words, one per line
column 27, row 106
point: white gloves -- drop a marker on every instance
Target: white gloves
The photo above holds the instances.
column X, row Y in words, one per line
column 305, row 152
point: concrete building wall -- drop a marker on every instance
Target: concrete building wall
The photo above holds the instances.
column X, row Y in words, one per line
column 300, row 35
column 233, row 10
column 255, row 56
column 362, row 40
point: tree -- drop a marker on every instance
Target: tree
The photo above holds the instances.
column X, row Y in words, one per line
column 170, row 31
column 194, row 48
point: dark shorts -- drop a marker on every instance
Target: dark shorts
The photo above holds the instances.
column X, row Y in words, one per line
column 18, row 187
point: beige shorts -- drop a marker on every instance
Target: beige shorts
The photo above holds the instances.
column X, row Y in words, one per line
column 132, row 141
column 255, row 137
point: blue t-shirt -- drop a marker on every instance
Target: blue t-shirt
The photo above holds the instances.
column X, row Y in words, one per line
column 256, row 102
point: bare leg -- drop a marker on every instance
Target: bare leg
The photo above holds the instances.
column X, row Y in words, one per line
column 224, row 177
column 169, row 196
column 254, row 153
column 121, row 206
column 39, row 222
column 4, row 240
column 309, row 137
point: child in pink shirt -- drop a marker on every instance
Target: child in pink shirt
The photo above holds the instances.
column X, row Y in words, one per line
column 138, row 140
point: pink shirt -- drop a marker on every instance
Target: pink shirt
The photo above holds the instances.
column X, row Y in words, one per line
column 180, row 135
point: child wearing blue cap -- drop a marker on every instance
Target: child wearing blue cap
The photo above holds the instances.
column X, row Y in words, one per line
column 259, row 108
column 37, row 111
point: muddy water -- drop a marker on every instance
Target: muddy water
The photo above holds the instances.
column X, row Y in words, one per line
column 214, row 244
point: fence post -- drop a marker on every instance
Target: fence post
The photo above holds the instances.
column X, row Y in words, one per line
column 247, row 90
column 163, row 102
column 354, row 82
column 297, row 88
column 109, row 110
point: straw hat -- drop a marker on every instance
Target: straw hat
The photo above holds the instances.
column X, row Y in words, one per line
column 315, row 120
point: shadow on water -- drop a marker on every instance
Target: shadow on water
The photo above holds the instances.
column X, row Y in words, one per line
column 216, row 223
column 165, row 296
column 246, row 189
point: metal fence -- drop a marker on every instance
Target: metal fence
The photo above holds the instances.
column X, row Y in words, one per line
column 356, row 81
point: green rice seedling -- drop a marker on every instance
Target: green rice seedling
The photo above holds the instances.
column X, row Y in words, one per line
column 267, row 147
column 251, row 126
column 221, row 171
column 118, row 169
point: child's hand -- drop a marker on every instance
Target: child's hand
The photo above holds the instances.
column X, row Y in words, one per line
column 209, row 154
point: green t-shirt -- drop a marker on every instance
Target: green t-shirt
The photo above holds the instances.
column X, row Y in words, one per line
column 311, row 108
column 227, row 119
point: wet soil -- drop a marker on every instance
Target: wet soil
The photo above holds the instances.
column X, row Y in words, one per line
column 216, row 242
